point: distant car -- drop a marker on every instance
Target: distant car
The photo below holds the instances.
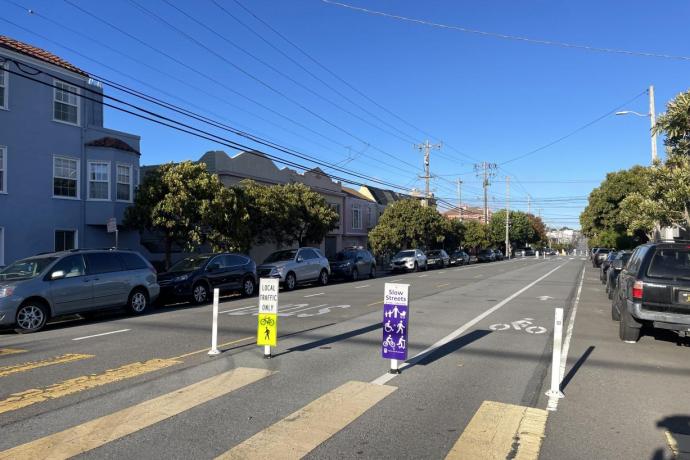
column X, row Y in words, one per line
column 459, row 258
column 498, row 254
column 437, row 258
column 654, row 291
column 603, row 268
column 486, row 255
column 592, row 252
column 615, row 267
column 600, row 256
column 296, row 266
column 37, row 288
column 524, row 252
column 195, row 277
column 353, row 263
column 550, row 252
column 409, row 260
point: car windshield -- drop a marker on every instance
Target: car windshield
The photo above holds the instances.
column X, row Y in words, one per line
column 670, row 263
column 433, row 253
column 26, row 268
column 485, row 251
column 345, row 255
column 402, row 254
column 280, row 256
column 189, row 264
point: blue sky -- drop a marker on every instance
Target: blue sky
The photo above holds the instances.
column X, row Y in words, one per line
column 487, row 99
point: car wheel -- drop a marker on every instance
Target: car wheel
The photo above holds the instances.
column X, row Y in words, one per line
column 615, row 313
column 31, row 317
column 290, row 282
column 355, row 274
column 323, row 278
column 416, row 267
column 200, row 293
column 372, row 273
column 138, row 302
column 248, row 287
column 628, row 333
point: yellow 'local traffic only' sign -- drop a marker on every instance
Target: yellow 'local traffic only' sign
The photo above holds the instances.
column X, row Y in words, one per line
column 267, row 329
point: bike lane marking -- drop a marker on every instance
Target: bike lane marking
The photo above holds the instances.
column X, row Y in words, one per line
column 314, row 295
column 462, row 329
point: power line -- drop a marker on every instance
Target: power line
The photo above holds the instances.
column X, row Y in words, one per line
column 512, row 37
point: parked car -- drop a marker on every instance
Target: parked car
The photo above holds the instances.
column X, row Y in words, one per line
column 353, row 263
column 603, row 268
column 524, row 252
column 600, row 256
column 409, row 260
column 296, row 266
column 654, row 290
column 194, row 278
column 473, row 259
column 614, row 270
column 41, row 287
column 550, row 252
column 592, row 252
column 486, row 255
column 459, row 258
column 437, row 258
column 498, row 254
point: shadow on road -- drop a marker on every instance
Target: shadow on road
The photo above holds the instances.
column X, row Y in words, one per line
column 677, row 431
column 329, row 340
column 454, row 345
column 576, row 367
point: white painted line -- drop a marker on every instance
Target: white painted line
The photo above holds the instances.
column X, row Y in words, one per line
column 552, row 404
column 305, row 309
column 362, row 287
column 100, row 335
column 314, row 295
column 397, row 279
column 461, row 330
column 237, row 309
column 423, row 276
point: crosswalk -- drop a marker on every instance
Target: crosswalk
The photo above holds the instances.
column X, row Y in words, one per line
column 496, row 431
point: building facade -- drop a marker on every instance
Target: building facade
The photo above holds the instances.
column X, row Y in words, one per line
column 62, row 174
column 361, row 215
column 465, row 213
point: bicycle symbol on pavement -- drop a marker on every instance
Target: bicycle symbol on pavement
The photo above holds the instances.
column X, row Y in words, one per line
column 524, row 324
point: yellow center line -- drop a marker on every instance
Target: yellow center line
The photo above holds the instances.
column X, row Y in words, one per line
column 375, row 303
column 10, row 351
column 8, row 370
column 205, row 350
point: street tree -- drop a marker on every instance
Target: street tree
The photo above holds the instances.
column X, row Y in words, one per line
column 407, row 224
column 476, row 235
column 522, row 230
column 229, row 227
column 675, row 125
column 174, row 200
column 454, row 231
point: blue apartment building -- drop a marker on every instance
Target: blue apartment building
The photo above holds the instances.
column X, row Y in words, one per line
column 63, row 175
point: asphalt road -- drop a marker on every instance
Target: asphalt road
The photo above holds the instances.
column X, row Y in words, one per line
column 471, row 324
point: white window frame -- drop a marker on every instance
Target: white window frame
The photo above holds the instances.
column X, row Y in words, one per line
column 52, row 185
column 89, row 180
column 356, row 223
column 3, row 170
column 5, row 85
column 71, row 88
column 76, row 237
column 131, row 182
column 2, row 246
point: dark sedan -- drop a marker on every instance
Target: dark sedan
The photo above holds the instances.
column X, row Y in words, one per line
column 437, row 258
column 353, row 264
column 605, row 264
column 195, row 277
column 486, row 255
column 615, row 268
column 459, row 258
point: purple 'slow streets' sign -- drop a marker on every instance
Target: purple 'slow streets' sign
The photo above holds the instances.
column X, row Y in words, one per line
column 396, row 317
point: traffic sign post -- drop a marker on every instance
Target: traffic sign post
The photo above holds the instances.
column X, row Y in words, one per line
column 267, row 328
column 396, row 317
column 111, row 225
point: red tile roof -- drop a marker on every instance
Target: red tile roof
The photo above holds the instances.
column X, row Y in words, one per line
column 38, row 53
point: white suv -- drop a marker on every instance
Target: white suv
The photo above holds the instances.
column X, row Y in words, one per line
column 296, row 266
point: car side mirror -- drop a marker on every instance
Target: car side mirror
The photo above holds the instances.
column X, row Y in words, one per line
column 56, row 275
column 300, row 259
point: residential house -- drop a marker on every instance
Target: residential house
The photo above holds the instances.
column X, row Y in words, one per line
column 465, row 212
column 361, row 215
column 62, row 174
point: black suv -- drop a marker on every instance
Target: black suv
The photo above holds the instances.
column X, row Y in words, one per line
column 353, row 263
column 654, row 290
column 193, row 278
column 615, row 267
column 599, row 256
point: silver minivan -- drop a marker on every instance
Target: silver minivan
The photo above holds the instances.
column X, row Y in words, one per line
column 37, row 288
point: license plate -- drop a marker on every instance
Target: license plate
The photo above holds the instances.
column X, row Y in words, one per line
column 684, row 297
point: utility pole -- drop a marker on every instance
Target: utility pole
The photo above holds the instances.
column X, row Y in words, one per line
column 508, row 217
column 529, row 204
column 652, row 117
column 426, row 148
column 486, row 172
column 460, row 198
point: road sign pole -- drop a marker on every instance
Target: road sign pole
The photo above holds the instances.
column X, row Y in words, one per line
column 214, row 328
column 267, row 352
column 394, row 367
column 555, row 391
column 396, row 317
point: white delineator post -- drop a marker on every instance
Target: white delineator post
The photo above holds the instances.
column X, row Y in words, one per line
column 555, row 390
column 394, row 367
column 214, row 328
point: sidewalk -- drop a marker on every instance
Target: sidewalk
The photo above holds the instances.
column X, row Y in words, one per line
column 622, row 401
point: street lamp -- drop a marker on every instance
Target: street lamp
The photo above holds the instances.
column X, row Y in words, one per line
column 651, row 116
